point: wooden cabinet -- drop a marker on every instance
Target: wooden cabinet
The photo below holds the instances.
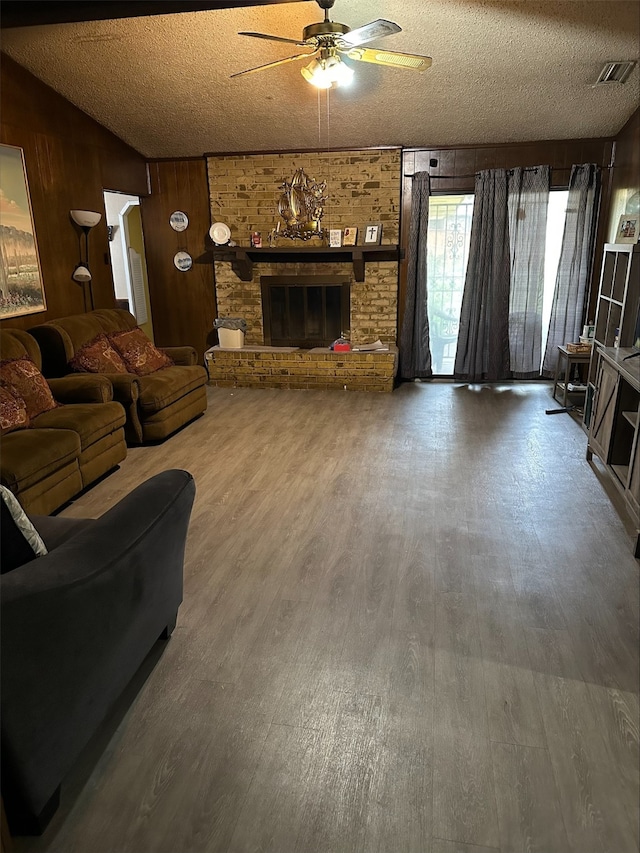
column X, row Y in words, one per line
column 616, row 308
column 613, row 431
column 604, row 409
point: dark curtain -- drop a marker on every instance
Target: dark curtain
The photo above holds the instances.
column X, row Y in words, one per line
column 483, row 340
column 414, row 354
column 574, row 267
column 528, row 202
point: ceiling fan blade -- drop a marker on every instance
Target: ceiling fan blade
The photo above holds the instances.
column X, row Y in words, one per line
column 273, row 64
column 273, row 38
column 391, row 58
column 368, row 32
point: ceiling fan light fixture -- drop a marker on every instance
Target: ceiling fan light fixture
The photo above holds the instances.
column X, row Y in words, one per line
column 340, row 73
column 314, row 73
column 327, row 72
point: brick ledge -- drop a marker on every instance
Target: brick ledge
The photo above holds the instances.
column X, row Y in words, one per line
column 319, row 368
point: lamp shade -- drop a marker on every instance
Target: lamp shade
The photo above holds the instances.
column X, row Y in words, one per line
column 314, row 73
column 81, row 273
column 85, row 218
column 326, row 72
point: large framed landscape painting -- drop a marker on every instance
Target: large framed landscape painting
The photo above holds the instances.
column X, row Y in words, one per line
column 21, row 288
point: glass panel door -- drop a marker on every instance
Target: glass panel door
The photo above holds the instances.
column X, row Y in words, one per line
column 448, row 238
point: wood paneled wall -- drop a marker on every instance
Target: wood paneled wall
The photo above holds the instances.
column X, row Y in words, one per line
column 460, row 165
column 70, row 159
column 183, row 303
column 626, row 169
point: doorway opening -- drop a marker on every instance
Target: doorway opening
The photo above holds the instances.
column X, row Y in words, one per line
column 126, row 250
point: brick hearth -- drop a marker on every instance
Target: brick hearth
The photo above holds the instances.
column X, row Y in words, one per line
column 319, row 368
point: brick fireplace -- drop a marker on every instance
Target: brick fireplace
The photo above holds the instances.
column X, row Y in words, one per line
column 363, row 187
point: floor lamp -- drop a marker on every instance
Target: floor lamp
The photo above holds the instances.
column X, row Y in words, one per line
column 85, row 220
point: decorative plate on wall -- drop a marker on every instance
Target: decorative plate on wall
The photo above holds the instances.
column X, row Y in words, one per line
column 220, row 233
column 183, row 261
column 178, row 220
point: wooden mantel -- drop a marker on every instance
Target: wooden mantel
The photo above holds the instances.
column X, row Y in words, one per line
column 243, row 258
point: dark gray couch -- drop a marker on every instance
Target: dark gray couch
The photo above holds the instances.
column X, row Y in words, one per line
column 75, row 626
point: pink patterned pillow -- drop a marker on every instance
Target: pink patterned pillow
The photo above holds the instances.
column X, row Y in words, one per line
column 98, row 356
column 138, row 353
column 22, row 379
column 13, row 412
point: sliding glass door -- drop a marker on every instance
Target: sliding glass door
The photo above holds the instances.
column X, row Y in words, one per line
column 448, row 239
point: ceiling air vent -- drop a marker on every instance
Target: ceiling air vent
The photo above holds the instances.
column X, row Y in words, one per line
column 614, row 72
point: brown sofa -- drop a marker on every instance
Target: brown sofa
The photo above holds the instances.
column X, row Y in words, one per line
column 67, row 448
column 157, row 404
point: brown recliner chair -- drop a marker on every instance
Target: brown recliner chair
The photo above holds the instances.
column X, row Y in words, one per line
column 157, row 404
column 64, row 449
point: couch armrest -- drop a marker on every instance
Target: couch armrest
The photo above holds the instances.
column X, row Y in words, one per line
column 82, row 388
column 181, row 355
column 78, row 622
column 126, row 388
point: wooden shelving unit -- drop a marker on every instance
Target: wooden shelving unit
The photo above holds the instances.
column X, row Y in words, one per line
column 616, row 308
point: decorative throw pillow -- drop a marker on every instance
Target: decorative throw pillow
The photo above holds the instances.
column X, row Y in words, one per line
column 20, row 541
column 21, row 378
column 98, row 356
column 13, row 412
column 138, row 353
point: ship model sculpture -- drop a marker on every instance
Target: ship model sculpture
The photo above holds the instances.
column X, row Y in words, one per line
column 301, row 207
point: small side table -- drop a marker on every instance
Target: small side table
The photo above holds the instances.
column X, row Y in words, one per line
column 565, row 362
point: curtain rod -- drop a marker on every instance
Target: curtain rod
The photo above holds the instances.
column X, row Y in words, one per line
column 475, row 174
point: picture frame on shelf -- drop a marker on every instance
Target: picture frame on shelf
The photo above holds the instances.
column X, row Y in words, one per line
column 335, row 238
column 373, row 234
column 628, row 228
column 350, row 236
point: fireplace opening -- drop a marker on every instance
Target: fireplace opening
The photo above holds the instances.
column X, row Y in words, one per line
column 304, row 310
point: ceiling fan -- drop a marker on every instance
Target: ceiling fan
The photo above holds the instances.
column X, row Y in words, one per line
column 330, row 42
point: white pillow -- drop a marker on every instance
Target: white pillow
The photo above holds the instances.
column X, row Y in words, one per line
column 14, row 516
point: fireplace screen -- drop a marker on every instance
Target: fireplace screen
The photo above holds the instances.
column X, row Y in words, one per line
column 304, row 311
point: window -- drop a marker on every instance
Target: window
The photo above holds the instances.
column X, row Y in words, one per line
column 448, row 237
column 556, row 213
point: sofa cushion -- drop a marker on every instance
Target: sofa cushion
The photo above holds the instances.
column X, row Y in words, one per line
column 23, row 379
column 166, row 386
column 20, row 541
column 138, row 353
column 30, row 455
column 98, row 356
column 91, row 421
column 13, row 412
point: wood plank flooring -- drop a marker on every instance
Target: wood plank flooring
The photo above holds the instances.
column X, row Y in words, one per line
column 410, row 626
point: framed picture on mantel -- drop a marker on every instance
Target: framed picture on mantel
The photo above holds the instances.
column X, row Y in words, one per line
column 350, row 236
column 373, row 233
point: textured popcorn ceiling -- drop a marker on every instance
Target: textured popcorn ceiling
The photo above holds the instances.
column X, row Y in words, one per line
column 503, row 71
